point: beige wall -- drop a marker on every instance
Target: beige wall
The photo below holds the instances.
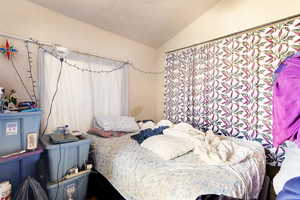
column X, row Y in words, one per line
column 145, row 91
column 26, row 19
column 226, row 17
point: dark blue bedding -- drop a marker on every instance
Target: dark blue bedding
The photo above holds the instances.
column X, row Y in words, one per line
column 144, row 134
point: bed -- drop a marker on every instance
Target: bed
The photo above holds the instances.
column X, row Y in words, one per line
column 139, row 174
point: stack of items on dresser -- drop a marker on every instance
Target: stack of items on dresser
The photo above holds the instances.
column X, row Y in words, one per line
column 66, row 171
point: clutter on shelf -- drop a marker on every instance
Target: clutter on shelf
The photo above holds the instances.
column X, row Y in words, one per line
column 9, row 102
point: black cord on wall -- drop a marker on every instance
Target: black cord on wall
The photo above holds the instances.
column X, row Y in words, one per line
column 53, row 97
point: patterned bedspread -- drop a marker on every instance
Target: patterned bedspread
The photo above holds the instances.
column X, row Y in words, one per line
column 139, row 174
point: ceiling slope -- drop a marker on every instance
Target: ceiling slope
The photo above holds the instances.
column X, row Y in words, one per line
column 151, row 22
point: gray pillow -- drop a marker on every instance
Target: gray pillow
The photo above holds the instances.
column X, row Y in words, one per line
column 116, row 123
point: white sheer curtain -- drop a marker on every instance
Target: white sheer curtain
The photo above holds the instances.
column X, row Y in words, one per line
column 81, row 95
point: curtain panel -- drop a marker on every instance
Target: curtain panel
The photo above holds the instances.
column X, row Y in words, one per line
column 81, row 95
column 226, row 84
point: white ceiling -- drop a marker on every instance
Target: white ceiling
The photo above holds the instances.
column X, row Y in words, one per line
column 151, row 22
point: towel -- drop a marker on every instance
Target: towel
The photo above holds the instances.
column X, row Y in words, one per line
column 286, row 102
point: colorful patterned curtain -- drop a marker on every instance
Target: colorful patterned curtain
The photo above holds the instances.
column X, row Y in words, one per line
column 227, row 84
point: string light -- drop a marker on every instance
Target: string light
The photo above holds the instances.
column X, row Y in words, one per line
column 30, row 66
column 145, row 72
column 33, row 96
column 123, row 65
column 42, row 44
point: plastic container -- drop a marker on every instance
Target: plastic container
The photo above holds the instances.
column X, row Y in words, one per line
column 73, row 188
column 14, row 128
column 62, row 157
column 16, row 168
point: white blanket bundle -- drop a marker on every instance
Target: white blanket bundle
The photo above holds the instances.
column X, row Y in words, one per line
column 212, row 149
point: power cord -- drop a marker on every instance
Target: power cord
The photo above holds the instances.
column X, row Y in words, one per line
column 53, row 97
column 47, row 121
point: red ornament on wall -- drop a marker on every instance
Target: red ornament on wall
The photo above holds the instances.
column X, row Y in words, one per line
column 8, row 50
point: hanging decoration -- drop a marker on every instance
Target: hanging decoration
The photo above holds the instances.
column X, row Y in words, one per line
column 8, row 50
column 84, row 69
column 30, row 67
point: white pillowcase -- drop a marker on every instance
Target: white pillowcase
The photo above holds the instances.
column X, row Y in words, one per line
column 148, row 125
column 165, row 122
column 152, row 125
column 117, row 123
column 167, row 147
column 290, row 167
column 183, row 130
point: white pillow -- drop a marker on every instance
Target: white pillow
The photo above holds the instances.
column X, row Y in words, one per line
column 167, row 147
column 148, row 125
column 290, row 167
column 165, row 122
column 176, row 133
column 117, row 123
column 183, row 130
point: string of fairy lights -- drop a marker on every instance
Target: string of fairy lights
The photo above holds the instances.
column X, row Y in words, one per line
column 50, row 49
column 123, row 64
column 30, row 71
column 85, row 69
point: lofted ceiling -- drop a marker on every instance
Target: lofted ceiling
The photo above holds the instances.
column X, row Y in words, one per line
column 151, row 22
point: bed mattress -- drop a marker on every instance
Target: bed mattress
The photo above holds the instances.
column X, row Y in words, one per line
column 139, row 174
